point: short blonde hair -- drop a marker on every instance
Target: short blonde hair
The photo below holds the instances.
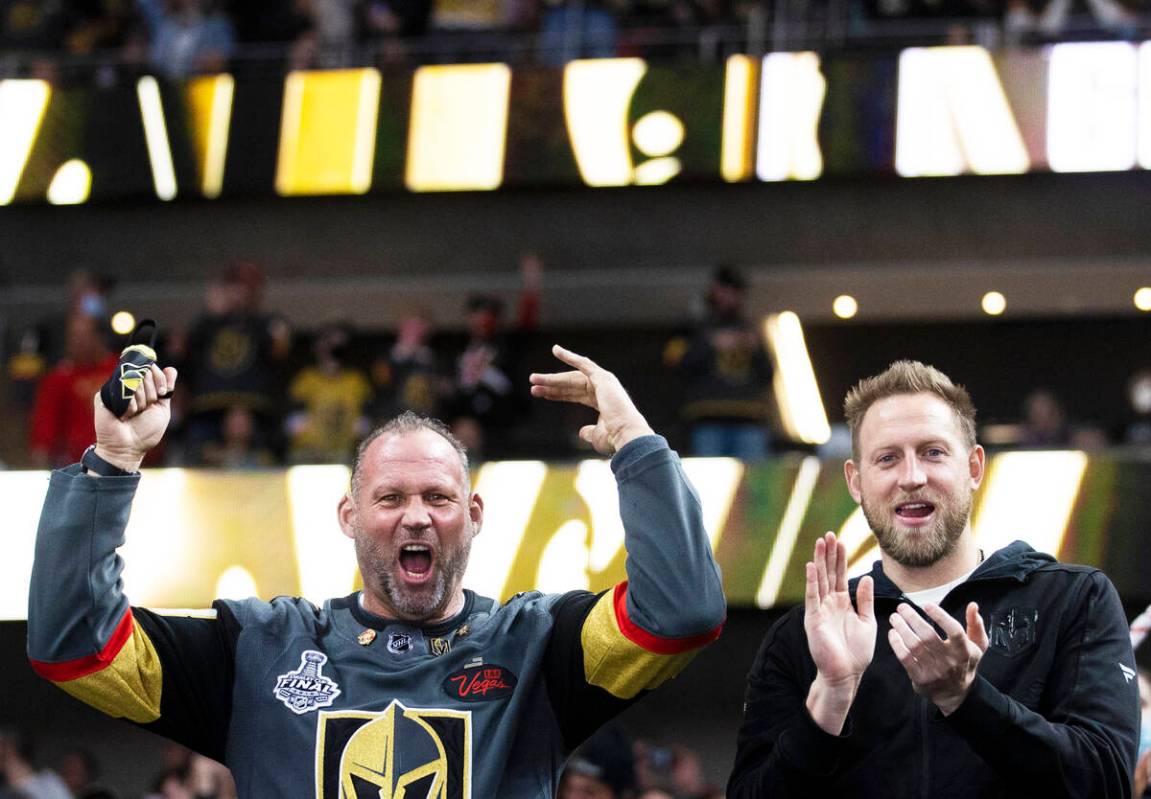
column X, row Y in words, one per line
column 907, row 377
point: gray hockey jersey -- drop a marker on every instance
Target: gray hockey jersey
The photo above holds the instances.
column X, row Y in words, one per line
column 332, row 702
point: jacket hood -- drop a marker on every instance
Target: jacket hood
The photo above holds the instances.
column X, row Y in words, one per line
column 1015, row 561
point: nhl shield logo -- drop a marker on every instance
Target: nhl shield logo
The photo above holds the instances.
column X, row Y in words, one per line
column 399, row 643
column 306, row 689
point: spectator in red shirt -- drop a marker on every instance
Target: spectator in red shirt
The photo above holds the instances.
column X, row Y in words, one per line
column 62, row 425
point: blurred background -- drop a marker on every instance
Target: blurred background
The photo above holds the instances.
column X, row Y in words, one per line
column 340, row 209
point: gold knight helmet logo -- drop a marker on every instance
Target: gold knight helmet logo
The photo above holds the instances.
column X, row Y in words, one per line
column 131, row 378
column 399, row 753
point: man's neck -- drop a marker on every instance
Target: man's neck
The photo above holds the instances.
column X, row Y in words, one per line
column 383, row 608
column 962, row 560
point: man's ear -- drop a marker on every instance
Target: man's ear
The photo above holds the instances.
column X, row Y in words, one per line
column 476, row 512
column 346, row 513
column 977, row 465
column 851, row 473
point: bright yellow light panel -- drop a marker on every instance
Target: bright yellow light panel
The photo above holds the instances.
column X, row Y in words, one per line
column 1032, row 492
column 210, row 111
column 739, row 100
column 790, row 102
column 22, row 107
column 458, row 132
column 796, row 390
column 328, row 132
column 597, row 101
column 156, row 136
column 789, row 526
column 71, row 184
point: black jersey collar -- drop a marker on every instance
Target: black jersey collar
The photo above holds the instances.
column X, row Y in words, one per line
column 472, row 604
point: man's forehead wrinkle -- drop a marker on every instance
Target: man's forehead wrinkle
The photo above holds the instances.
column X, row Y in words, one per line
column 904, row 419
column 409, row 482
column 428, row 441
column 427, row 472
column 424, row 449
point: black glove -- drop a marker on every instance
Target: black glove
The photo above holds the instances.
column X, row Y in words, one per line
column 135, row 360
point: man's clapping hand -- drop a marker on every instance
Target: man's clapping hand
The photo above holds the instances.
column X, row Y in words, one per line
column 840, row 637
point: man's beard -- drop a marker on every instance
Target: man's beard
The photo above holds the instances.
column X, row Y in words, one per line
column 921, row 548
column 378, row 569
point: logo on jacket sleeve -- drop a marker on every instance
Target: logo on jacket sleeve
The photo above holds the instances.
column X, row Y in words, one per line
column 1013, row 630
column 481, row 683
column 306, row 689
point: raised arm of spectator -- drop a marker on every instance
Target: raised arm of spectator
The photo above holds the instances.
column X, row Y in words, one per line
column 644, row 631
column 170, row 675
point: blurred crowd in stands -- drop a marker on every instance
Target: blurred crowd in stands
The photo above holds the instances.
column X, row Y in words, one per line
column 610, row 765
column 79, row 774
column 176, row 38
column 254, row 393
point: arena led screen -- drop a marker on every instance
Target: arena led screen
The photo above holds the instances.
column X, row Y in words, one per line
column 933, row 111
column 557, row 528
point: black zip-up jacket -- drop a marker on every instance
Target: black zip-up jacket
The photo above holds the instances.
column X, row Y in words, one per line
column 1053, row 712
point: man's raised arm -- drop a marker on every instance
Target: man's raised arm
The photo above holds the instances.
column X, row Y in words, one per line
column 82, row 634
column 649, row 627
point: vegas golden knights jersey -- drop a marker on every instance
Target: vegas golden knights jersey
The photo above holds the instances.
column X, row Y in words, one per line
column 334, row 702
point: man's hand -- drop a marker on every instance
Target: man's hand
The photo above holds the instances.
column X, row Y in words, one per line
column 124, row 442
column 841, row 639
column 619, row 421
column 940, row 669
column 1142, row 773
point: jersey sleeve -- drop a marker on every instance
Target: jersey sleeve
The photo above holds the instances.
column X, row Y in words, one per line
column 172, row 675
column 631, row 639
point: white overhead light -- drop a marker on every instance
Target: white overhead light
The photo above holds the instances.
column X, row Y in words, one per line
column 845, row 306
column 994, row 303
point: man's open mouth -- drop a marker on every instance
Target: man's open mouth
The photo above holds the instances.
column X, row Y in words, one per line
column 416, row 560
column 914, row 510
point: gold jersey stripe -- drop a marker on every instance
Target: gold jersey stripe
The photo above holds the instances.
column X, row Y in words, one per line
column 129, row 687
column 617, row 665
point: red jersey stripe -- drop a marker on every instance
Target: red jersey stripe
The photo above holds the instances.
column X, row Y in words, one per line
column 90, row 664
column 649, row 641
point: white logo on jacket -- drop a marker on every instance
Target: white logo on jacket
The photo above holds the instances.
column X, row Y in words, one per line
column 306, row 689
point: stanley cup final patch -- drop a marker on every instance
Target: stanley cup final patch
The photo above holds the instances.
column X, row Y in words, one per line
column 306, row 689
